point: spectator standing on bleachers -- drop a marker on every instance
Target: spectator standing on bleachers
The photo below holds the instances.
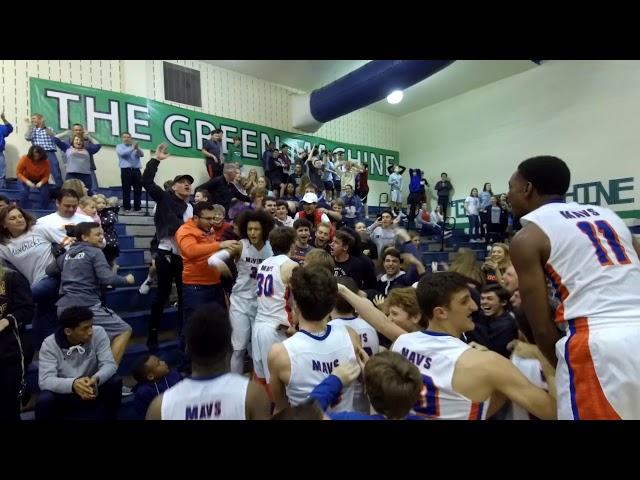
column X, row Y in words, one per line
column 78, row 153
column 472, row 209
column 38, row 134
column 497, row 219
column 417, row 193
column 201, row 195
column 499, row 260
column 172, row 210
column 153, row 377
column 5, row 130
column 108, row 213
column 496, row 326
column 443, row 187
column 78, row 130
column 77, row 371
column 311, row 212
column 222, row 189
column 395, row 184
column 282, row 217
column 17, row 310
column 322, row 237
column 368, row 267
column 362, row 187
column 28, row 246
column 393, row 276
column 196, row 242
column 234, row 151
column 301, row 247
column 84, row 271
column 32, row 172
column 213, row 154
column 129, row 155
column 368, row 248
column 383, row 231
column 352, row 207
column 145, row 288
column 267, row 157
column 485, row 203
column 346, row 265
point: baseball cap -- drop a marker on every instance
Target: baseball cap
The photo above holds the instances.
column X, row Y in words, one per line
column 180, row 178
column 310, row 198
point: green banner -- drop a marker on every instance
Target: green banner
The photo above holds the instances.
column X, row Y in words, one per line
column 107, row 114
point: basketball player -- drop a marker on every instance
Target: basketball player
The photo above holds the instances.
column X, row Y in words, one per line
column 303, row 360
column 591, row 259
column 212, row 392
column 462, row 382
column 272, row 319
column 254, row 227
column 343, row 314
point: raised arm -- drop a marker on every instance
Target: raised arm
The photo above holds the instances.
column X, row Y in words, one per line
column 148, row 176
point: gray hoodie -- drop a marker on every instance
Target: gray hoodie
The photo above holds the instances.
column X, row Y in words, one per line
column 60, row 363
column 84, row 269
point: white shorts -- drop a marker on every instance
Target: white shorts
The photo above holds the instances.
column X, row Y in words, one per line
column 598, row 372
column 263, row 336
column 242, row 313
column 396, row 196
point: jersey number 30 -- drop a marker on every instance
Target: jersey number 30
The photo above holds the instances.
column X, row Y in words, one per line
column 265, row 285
column 603, row 228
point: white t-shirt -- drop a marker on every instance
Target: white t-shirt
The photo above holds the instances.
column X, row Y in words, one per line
column 56, row 224
column 473, row 205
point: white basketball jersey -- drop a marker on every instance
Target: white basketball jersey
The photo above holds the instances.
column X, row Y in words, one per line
column 271, row 292
column 370, row 344
column 435, row 354
column 368, row 334
column 248, row 264
column 219, row 398
column 592, row 265
column 314, row 358
column 530, row 368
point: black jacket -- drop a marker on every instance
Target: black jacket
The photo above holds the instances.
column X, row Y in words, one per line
column 17, row 307
column 495, row 333
column 222, row 192
column 169, row 208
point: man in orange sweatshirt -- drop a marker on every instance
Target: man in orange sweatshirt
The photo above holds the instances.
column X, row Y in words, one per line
column 196, row 242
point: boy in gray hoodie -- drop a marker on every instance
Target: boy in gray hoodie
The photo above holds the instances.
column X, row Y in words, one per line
column 84, row 270
column 77, row 373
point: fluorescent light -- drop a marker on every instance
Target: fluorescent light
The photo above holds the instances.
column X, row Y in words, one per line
column 395, row 97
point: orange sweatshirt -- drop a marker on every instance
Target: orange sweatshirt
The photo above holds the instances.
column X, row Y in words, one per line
column 36, row 172
column 196, row 247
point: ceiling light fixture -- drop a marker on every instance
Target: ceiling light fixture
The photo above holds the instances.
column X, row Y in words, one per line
column 395, row 97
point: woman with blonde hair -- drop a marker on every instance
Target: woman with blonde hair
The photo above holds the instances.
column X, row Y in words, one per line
column 497, row 263
column 77, row 186
column 465, row 263
column 251, row 181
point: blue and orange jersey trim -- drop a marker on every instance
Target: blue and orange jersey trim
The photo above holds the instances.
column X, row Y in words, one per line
column 562, row 293
column 588, row 401
column 476, row 410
